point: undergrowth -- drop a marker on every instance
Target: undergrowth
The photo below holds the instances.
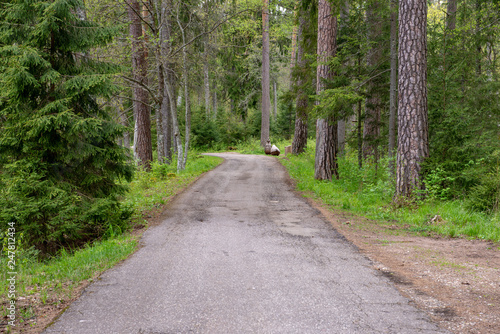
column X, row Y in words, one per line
column 52, row 281
column 369, row 191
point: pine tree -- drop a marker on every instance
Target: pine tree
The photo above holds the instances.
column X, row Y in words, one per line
column 413, row 144
column 60, row 164
column 325, row 165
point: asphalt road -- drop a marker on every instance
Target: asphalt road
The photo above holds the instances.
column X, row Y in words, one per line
column 240, row 252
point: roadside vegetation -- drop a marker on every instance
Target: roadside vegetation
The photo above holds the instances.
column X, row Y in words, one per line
column 52, row 281
column 369, row 192
column 80, row 81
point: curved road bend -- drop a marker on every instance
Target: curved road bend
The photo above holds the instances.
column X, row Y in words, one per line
column 240, row 252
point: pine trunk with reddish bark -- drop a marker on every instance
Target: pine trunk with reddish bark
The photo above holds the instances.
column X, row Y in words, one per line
column 142, row 145
column 299, row 143
column 413, row 145
column 371, row 130
column 325, row 166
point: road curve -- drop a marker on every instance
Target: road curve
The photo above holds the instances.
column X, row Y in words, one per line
column 240, row 252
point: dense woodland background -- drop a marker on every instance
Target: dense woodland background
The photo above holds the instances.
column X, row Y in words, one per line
column 90, row 91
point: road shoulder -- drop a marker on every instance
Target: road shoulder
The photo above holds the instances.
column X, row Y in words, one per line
column 455, row 281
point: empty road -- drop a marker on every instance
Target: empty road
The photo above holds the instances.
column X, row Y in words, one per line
column 240, row 252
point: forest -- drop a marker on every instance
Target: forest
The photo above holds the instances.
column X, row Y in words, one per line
column 403, row 96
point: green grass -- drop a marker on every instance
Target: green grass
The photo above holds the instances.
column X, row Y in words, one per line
column 53, row 281
column 68, row 269
column 151, row 190
column 252, row 146
column 368, row 192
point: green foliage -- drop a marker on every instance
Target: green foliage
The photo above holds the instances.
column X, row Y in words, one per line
column 222, row 132
column 151, row 190
column 464, row 105
column 54, row 279
column 204, row 131
column 485, row 196
column 337, row 102
column 60, row 166
column 369, row 192
column 437, row 184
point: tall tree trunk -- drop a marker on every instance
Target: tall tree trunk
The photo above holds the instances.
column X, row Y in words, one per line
column 393, row 97
column 143, row 146
column 175, row 124
column 325, row 165
column 187, row 104
column 275, row 100
column 451, row 14
column 206, row 78
column 124, row 122
column 373, row 102
column 295, row 38
column 299, row 143
column 360, row 132
column 167, row 126
column 266, row 99
column 413, row 146
column 342, row 126
column 160, row 145
column 478, row 38
column 214, row 102
column 163, row 11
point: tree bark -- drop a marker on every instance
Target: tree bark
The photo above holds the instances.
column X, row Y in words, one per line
column 451, row 14
column 393, row 97
column 160, row 146
column 299, row 143
column 295, row 38
column 325, row 165
column 165, row 73
column 214, row 102
column 275, row 100
column 206, row 78
column 125, row 123
column 478, row 38
column 142, row 145
column 187, row 104
column 167, row 126
column 342, row 126
column 371, row 130
column 266, row 99
column 413, row 146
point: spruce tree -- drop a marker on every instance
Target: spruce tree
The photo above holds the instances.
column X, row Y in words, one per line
column 60, row 166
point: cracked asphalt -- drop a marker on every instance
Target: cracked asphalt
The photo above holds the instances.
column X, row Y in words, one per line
column 240, row 252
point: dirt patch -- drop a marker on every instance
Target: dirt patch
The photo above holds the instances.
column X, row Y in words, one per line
column 35, row 312
column 455, row 281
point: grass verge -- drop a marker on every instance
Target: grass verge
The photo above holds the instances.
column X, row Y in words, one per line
column 45, row 288
column 368, row 192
